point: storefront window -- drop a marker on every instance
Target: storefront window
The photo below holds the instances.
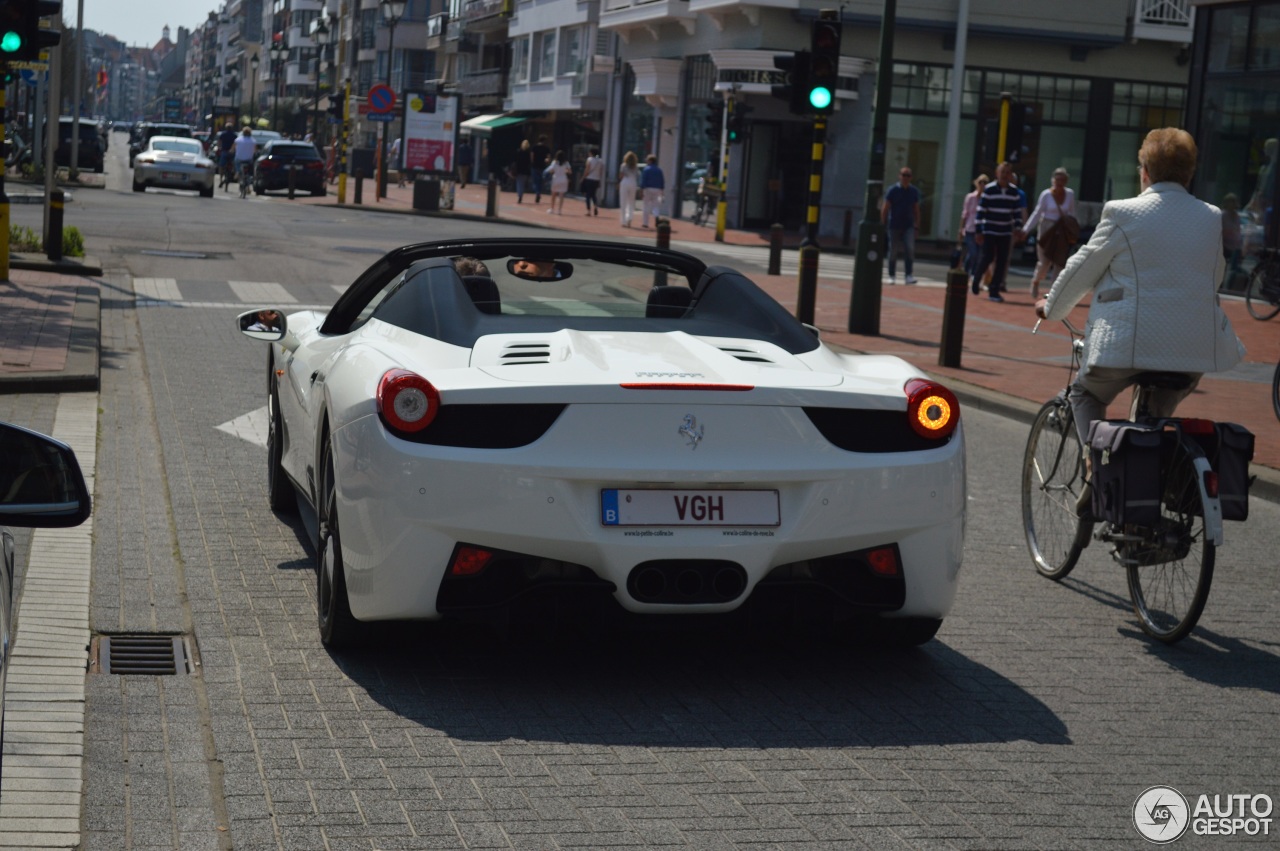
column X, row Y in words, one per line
column 1229, row 39
column 1264, row 55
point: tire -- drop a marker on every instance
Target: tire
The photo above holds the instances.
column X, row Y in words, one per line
column 1169, row 582
column 907, row 632
column 206, row 193
column 258, row 187
column 319, row 193
column 138, row 187
column 1053, row 473
column 1275, row 391
column 338, row 627
column 280, row 493
column 1261, row 306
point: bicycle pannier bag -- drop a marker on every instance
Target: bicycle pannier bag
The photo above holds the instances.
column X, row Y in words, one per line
column 1127, row 471
column 1229, row 449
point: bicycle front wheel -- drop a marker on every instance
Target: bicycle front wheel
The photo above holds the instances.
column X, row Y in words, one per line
column 1262, row 295
column 1052, row 478
column 1275, row 391
column 1171, row 567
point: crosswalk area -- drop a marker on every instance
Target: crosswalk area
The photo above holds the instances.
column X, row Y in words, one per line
column 170, row 292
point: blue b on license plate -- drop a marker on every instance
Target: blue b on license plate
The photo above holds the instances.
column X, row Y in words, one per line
column 645, row 507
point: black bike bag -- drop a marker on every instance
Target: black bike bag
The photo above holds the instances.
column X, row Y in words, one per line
column 1128, row 460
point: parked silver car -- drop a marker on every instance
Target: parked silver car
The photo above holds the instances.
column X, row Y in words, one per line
column 174, row 162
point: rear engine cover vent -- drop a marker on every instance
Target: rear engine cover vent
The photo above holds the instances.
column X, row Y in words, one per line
column 522, row 353
column 158, row 655
column 748, row 355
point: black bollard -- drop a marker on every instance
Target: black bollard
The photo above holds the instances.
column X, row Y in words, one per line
column 847, row 236
column 53, row 239
column 491, row 204
column 359, row 186
column 808, row 283
column 663, row 229
column 953, row 317
column 293, row 179
column 775, row 249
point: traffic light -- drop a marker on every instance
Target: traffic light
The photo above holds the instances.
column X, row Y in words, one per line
column 795, row 90
column 1020, row 136
column 21, row 38
column 824, row 66
column 335, row 109
column 715, row 120
column 738, row 127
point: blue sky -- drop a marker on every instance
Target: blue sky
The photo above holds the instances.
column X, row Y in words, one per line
column 138, row 22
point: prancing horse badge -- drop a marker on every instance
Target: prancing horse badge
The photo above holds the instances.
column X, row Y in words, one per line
column 691, row 430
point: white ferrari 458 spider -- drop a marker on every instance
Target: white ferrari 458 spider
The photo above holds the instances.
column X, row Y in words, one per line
column 506, row 426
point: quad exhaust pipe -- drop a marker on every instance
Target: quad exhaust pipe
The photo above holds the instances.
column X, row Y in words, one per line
column 687, row 581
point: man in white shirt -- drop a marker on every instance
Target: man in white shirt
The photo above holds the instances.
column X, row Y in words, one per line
column 245, row 148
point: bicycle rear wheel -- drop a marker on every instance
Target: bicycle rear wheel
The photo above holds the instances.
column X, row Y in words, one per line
column 1262, row 295
column 1275, row 391
column 1052, row 478
column 1171, row 568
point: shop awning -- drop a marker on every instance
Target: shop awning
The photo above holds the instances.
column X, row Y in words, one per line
column 485, row 124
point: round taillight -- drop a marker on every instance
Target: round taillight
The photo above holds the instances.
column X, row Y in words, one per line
column 932, row 409
column 406, row 401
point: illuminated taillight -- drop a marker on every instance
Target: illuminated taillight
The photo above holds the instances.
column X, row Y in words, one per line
column 1191, row 426
column 932, row 409
column 469, row 560
column 406, row 401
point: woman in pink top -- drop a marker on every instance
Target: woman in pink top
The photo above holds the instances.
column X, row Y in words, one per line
column 968, row 225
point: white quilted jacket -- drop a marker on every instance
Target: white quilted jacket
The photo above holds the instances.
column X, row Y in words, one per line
column 1154, row 264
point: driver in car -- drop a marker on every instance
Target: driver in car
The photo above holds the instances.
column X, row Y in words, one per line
column 540, row 269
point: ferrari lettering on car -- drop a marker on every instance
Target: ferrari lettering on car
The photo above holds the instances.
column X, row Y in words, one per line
column 484, row 428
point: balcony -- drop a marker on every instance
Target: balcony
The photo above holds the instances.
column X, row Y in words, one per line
column 1164, row 20
column 492, row 81
column 486, row 15
column 625, row 16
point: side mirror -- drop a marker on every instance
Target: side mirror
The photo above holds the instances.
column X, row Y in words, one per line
column 40, row 481
column 267, row 324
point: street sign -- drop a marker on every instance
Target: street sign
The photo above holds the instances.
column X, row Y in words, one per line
column 384, row 117
column 381, row 98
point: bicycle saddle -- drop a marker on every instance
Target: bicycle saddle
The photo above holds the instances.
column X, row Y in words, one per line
column 1163, row 380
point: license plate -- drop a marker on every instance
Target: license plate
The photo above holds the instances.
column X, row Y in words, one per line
column 689, row 507
column 172, row 175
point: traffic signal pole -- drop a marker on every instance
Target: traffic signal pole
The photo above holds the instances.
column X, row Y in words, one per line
column 809, row 251
column 1002, row 139
column 722, row 205
column 4, row 199
column 864, row 299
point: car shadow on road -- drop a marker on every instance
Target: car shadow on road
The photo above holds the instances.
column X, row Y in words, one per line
column 691, row 688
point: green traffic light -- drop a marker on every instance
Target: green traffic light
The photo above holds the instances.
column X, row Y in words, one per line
column 10, row 42
column 820, row 97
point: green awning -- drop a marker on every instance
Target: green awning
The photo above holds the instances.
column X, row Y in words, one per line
column 485, row 124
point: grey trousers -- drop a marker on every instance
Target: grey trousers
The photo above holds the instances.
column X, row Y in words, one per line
column 1096, row 387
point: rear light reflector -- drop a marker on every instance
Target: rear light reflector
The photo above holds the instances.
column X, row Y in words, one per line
column 267, row 164
column 1211, row 483
column 656, row 385
column 932, row 409
column 883, row 561
column 468, row 560
column 315, row 165
column 407, row 401
column 1192, row 426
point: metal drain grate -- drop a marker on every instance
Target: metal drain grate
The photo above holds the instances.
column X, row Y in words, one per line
column 160, row 655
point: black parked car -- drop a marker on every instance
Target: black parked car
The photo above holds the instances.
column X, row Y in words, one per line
column 277, row 157
column 91, row 155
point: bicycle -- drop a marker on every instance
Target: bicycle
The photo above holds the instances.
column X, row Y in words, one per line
column 226, row 171
column 1275, row 391
column 708, row 198
column 1169, row 564
column 245, row 177
column 1262, row 293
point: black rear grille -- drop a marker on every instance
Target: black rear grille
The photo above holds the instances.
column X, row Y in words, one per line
column 860, row 430
column 485, row 426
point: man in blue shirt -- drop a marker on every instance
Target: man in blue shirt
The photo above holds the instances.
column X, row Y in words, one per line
column 652, row 182
column 901, row 213
column 1000, row 213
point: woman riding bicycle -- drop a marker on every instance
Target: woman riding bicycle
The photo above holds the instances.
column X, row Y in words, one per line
column 245, row 147
column 1153, row 265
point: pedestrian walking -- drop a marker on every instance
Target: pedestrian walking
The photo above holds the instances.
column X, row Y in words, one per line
column 522, row 169
column 1056, row 229
column 969, row 226
column 652, row 183
column 999, row 214
column 559, row 171
column 900, row 212
column 541, row 159
column 628, row 185
column 466, row 158
column 393, row 161
column 592, row 175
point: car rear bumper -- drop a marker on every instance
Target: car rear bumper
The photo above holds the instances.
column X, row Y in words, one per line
column 159, row 176
column 405, row 507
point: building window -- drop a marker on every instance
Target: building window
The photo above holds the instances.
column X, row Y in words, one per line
column 364, row 75
column 520, row 60
column 544, row 60
column 368, row 28
column 572, row 50
column 1145, row 106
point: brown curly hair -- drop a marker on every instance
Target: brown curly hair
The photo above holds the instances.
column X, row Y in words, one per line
column 1169, row 154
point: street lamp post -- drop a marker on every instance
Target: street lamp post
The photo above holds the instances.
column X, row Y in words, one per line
column 279, row 51
column 320, row 36
column 392, row 11
column 254, row 61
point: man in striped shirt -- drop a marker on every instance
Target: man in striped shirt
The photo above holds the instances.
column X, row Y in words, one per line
column 999, row 222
